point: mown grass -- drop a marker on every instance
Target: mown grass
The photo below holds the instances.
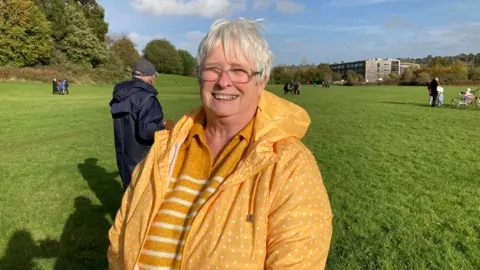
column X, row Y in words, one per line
column 403, row 178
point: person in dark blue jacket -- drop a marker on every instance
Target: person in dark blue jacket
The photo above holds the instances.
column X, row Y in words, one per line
column 137, row 115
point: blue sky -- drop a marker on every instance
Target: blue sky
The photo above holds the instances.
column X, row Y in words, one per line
column 311, row 31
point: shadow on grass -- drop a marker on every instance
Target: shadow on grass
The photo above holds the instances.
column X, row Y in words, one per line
column 444, row 106
column 84, row 241
column 20, row 252
column 107, row 189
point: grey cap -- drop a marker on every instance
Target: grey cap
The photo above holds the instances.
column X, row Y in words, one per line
column 144, row 68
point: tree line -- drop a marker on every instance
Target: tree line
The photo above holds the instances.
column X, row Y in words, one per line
column 69, row 34
column 462, row 69
column 72, row 34
column 303, row 73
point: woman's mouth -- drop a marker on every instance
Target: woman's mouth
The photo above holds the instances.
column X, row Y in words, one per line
column 224, row 97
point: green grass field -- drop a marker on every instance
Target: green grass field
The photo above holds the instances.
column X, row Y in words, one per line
column 403, row 178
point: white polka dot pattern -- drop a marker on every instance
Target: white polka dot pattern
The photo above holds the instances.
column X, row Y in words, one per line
column 291, row 226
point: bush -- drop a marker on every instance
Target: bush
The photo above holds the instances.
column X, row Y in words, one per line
column 423, row 78
column 337, row 76
column 474, row 74
column 74, row 75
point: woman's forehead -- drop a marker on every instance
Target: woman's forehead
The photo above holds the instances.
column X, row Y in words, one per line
column 231, row 55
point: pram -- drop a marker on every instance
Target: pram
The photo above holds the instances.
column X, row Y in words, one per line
column 464, row 100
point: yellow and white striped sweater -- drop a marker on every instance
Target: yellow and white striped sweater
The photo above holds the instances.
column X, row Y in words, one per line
column 193, row 181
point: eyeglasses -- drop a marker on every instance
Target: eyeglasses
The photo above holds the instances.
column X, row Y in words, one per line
column 236, row 74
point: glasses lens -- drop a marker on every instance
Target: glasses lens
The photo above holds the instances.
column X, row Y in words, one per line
column 210, row 74
column 239, row 75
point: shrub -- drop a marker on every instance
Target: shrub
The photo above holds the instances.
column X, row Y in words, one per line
column 74, row 75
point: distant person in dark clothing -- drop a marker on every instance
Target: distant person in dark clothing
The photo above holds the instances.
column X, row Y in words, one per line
column 66, row 85
column 137, row 115
column 434, row 90
column 54, row 86
column 285, row 89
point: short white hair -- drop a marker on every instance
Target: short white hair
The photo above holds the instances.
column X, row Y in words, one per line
column 239, row 36
column 143, row 77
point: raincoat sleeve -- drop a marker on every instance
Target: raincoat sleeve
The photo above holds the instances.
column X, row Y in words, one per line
column 150, row 119
column 116, row 233
column 300, row 218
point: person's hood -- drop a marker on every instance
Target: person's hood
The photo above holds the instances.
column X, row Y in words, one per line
column 277, row 113
column 125, row 89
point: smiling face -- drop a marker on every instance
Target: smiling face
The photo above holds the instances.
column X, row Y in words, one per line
column 224, row 98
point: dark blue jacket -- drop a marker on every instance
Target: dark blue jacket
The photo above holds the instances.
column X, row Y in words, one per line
column 136, row 114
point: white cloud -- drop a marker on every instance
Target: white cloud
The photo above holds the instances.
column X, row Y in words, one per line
column 411, row 41
column 289, row 7
column 353, row 3
column 141, row 40
column 195, row 35
column 260, row 4
column 193, row 39
column 282, row 6
column 286, row 28
column 204, row 8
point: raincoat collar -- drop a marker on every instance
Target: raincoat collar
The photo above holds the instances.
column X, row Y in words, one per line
column 276, row 119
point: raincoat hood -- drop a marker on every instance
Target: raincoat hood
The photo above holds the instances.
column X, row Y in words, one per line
column 124, row 90
column 279, row 113
column 273, row 114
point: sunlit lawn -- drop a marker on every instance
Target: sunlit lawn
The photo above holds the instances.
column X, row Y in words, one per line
column 403, row 178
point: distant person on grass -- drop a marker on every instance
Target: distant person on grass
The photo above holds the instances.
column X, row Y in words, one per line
column 232, row 185
column 137, row 115
column 285, row 89
column 429, row 87
column 66, row 85
column 434, row 89
column 54, row 86
column 60, row 87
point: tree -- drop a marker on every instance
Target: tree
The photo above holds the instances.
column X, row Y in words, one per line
column 24, row 34
column 95, row 16
column 55, row 12
column 393, row 76
column 324, row 68
column 407, row 75
column 188, row 62
column 352, row 77
column 423, row 78
column 80, row 44
column 336, row 77
column 125, row 51
column 163, row 55
column 475, row 74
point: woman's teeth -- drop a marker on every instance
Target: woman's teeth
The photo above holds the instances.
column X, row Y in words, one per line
column 224, row 97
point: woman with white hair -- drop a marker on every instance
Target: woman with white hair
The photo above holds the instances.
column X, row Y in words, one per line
column 231, row 185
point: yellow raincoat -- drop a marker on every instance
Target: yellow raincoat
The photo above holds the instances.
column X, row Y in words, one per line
column 272, row 212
